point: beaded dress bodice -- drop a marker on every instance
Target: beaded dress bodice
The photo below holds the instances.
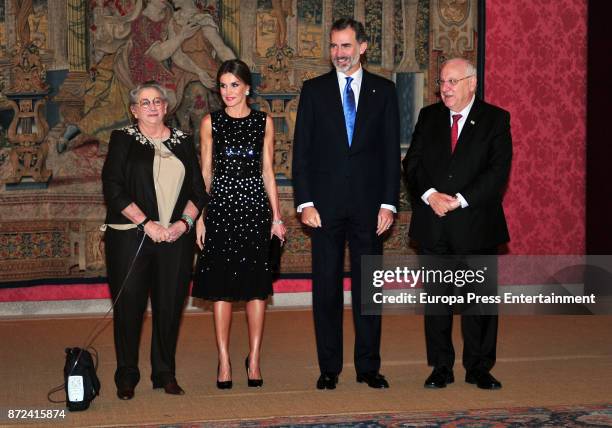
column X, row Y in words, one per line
column 238, row 144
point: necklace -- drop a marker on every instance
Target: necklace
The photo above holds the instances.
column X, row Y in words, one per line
column 155, row 139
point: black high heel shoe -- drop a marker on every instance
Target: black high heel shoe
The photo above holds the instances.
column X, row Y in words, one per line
column 252, row 383
column 223, row 384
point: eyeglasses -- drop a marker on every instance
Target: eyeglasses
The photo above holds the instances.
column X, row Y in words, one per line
column 148, row 104
column 452, row 82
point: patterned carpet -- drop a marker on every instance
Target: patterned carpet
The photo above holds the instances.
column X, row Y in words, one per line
column 561, row 416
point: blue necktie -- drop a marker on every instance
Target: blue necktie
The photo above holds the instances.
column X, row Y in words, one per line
column 349, row 109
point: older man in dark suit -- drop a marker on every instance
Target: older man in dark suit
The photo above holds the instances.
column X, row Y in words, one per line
column 346, row 172
column 457, row 167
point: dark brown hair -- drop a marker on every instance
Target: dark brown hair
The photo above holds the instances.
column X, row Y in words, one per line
column 236, row 67
column 356, row 26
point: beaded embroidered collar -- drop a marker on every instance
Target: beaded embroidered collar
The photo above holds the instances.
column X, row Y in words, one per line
column 176, row 136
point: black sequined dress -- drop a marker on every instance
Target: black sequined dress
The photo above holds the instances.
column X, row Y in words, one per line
column 234, row 263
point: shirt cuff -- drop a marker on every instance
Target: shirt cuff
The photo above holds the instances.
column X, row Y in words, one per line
column 427, row 194
column 464, row 203
column 389, row 207
column 304, row 205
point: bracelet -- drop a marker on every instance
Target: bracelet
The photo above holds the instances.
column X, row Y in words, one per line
column 182, row 220
column 278, row 222
column 142, row 224
column 189, row 220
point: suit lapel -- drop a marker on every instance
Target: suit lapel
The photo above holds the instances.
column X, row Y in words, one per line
column 444, row 131
column 469, row 127
column 365, row 94
column 334, row 101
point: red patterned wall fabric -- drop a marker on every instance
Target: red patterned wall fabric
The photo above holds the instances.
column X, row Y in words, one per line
column 536, row 68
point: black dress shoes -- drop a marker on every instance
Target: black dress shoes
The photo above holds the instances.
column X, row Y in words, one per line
column 373, row 379
column 125, row 392
column 482, row 379
column 170, row 387
column 327, row 381
column 439, row 378
column 252, row 383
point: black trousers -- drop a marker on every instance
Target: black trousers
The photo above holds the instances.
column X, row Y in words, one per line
column 162, row 271
column 479, row 331
column 328, row 243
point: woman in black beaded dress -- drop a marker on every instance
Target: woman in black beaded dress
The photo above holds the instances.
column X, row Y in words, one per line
column 237, row 146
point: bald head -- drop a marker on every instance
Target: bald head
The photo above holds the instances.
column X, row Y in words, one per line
column 467, row 65
column 457, row 83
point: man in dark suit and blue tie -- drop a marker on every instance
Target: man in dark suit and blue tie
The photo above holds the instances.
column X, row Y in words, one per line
column 457, row 168
column 346, row 172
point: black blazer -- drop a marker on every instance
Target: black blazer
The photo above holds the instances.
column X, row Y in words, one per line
column 478, row 169
column 326, row 170
column 127, row 175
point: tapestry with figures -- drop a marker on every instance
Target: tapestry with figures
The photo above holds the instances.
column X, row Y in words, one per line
column 67, row 66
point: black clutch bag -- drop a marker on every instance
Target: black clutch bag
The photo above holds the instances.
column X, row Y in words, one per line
column 276, row 248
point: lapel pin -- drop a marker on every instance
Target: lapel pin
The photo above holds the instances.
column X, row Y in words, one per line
column 373, row 90
column 472, row 122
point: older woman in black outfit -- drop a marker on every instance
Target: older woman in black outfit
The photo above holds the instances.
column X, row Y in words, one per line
column 154, row 191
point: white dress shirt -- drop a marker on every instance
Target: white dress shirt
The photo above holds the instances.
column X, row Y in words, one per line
column 355, row 84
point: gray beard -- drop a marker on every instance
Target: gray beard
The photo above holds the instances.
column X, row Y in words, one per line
column 347, row 67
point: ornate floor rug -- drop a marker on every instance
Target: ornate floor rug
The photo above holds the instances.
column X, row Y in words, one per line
column 549, row 417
